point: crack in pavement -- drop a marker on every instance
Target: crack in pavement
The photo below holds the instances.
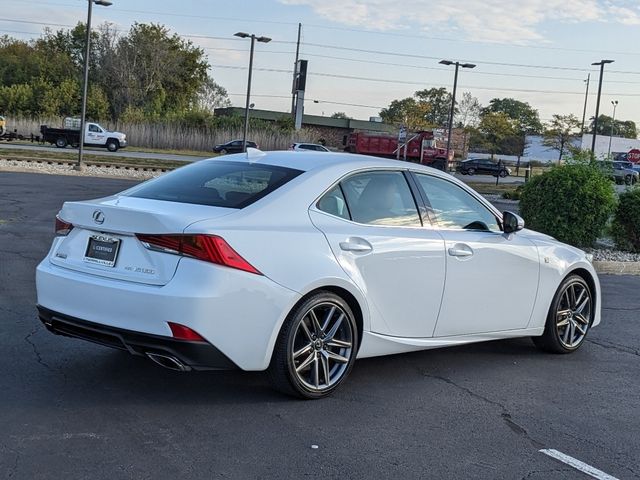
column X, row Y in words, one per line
column 547, row 471
column 505, row 415
column 622, row 309
column 615, row 346
column 13, row 469
column 35, row 349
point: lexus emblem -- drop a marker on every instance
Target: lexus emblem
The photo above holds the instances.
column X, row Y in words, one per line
column 98, row 217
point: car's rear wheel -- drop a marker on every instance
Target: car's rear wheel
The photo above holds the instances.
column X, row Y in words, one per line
column 61, row 142
column 569, row 317
column 316, row 347
column 503, row 173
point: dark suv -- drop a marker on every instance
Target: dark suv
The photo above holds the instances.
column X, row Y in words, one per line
column 234, row 146
column 483, row 166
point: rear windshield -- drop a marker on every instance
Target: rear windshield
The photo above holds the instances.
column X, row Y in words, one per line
column 216, row 183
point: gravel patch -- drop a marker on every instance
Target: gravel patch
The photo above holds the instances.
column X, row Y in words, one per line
column 88, row 171
column 612, row 255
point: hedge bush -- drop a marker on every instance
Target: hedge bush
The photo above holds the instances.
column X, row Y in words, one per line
column 625, row 228
column 572, row 203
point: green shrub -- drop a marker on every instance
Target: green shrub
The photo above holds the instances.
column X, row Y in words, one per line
column 625, row 228
column 572, row 203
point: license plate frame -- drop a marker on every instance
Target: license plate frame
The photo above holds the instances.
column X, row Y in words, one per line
column 107, row 252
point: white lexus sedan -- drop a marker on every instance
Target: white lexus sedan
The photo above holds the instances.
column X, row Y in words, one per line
column 281, row 262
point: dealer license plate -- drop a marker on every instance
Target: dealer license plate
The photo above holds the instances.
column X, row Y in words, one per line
column 102, row 250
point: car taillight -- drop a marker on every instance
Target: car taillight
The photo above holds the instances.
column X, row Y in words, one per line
column 210, row 248
column 62, row 228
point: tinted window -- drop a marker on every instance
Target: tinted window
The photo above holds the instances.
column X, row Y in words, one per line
column 333, row 202
column 93, row 128
column 216, row 183
column 454, row 208
column 381, row 198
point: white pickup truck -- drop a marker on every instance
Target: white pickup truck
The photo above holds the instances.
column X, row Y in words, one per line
column 94, row 136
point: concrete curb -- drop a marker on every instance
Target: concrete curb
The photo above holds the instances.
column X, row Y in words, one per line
column 617, row 268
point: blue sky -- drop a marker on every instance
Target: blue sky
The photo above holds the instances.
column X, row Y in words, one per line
column 565, row 36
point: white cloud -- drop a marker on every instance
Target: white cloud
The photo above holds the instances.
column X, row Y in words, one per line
column 488, row 20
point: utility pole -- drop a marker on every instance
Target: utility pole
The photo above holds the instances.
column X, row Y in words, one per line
column 602, row 63
column 295, row 66
column 453, row 103
column 586, row 96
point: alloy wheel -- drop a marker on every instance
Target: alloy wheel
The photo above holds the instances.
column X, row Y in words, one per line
column 322, row 347
column 573, row 314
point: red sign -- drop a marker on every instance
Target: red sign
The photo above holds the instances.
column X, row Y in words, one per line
column 633, row 156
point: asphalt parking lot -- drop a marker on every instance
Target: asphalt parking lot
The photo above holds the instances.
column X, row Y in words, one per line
column 71, row 409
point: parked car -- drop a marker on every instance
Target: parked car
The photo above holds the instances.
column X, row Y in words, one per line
column 483, row 166
column 621, row 172
column 299, row 267
column 234, row 146
column 315, row 147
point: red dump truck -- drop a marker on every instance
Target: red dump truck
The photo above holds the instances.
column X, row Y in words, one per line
column 421, row 147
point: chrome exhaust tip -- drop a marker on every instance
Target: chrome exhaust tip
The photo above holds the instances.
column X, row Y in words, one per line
column 167, row 361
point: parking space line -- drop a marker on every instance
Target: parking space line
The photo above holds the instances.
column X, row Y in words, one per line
column 577, row 464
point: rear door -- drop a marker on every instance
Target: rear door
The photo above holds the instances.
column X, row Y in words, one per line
column 371, row 222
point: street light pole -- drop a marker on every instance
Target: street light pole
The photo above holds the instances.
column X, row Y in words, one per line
column 85, row 84
column 613, row 122
column 453, row 100
column 595, row 120
column 253, row 38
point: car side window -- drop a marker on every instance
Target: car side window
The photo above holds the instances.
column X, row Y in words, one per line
column 93, row 128
column 381, row 198
column 333, row 202
column 454, row 208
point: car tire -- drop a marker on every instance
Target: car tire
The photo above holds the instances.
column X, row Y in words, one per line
column 471, row 171
column 628, row 180
column 61, row 142
column 112, row 145
column 316, row 347
column 503, row 173
column 223, row 151
column 569, row 318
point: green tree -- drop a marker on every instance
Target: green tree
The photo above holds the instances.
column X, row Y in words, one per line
column 340, row 115
column 408, row 112
column 438, row 101
column 560, row 131
column 495, row 128
column 526, row 118
column 621, row 128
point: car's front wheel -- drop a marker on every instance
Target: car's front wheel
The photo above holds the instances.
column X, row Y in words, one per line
column 569, row 317
column 316, row 347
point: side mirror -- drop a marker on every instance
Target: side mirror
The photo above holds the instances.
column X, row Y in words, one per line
column 511, row 222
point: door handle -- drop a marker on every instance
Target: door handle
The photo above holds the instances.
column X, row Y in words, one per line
column 356, row 245
column 460, row 250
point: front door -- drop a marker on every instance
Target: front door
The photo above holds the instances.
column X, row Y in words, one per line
column 492, row 277
column 372, row 225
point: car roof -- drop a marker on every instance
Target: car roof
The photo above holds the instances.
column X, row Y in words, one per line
column 315, row 161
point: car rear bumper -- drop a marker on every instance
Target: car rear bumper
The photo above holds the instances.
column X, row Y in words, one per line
column 238, row 313
column 176, row 354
